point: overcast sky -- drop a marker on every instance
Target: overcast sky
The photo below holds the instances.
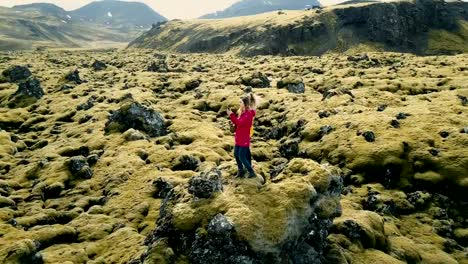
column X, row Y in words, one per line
column 168, row 8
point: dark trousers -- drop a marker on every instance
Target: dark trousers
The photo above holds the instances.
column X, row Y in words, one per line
column 243, row 158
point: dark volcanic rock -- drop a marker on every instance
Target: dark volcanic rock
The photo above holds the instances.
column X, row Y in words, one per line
column 30, row 87
column 323, row 114
column 401, row 115
column 79, row 167
column 463, row 99
column 220, row 245
column 157, row 66
column 276, row 133
column 192, row 84
column 294, row 84
column 434, row 151
column 98, row 65
column 394, row 123
column 186, row 162
column 277, row 167
column 369, row 136
column 289, row 149
column 16, row 73
column 161, row 188
column 444, row 134
column 87, row 105
column 382, row 107
column 206, row 184
column 325, row 130
column 255, row 80
column 137, row 116
column 73, row 77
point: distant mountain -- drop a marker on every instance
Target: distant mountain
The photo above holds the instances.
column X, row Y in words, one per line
column 98, row 23
column 419, row 26
column 43, row 9
column 118, row 13
column 252, row 7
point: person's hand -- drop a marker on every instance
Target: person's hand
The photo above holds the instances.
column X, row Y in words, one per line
column 228, row 111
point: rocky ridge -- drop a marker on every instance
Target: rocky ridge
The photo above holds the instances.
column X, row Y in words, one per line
column 420, row 26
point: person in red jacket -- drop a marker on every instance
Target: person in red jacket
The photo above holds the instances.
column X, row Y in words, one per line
column 243, row 123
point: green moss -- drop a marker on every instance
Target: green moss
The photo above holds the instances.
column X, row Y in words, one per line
column 160, row 252
column 19, row 251
column 372, row 234
column 328, row 208
column 461, row 235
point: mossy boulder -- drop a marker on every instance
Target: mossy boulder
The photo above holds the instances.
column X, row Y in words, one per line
column 296, row 213
column 79, row 167
column 205, row 185
column 363, row 227
column 6, row 202
column 28, row 92
column 53, row 234
column 136, row 116
column 293, row 83
column 22, row 251
column 461, row 235
column 255, row 80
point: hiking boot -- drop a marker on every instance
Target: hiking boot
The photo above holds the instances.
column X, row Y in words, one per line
column 252, row 175
column 240, row 174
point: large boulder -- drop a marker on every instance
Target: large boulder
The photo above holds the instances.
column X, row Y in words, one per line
column 255, row 80
column 240, row 226
column 136, row 116
column 30, row 87
column 16, row 73
column 28, row 92
column 294, row 84
column 205, row 185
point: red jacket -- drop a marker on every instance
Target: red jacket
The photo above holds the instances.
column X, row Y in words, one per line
column 243, row 124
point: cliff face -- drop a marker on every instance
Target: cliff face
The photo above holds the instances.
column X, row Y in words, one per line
column 421, row 27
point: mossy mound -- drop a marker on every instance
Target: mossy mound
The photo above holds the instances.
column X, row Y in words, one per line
column 295, row 205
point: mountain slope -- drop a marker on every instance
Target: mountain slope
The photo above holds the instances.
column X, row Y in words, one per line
column 29, row 26
column 421, row 27
column 252, row 7
column 44, row 9
column 119, row 13
column 27, row 29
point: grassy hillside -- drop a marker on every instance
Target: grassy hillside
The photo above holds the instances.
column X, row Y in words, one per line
column 407, row 26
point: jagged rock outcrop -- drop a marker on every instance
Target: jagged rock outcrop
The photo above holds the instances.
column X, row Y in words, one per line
column 210, row 223
column 16, row 73
column 136, row 116
column 416, row 27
